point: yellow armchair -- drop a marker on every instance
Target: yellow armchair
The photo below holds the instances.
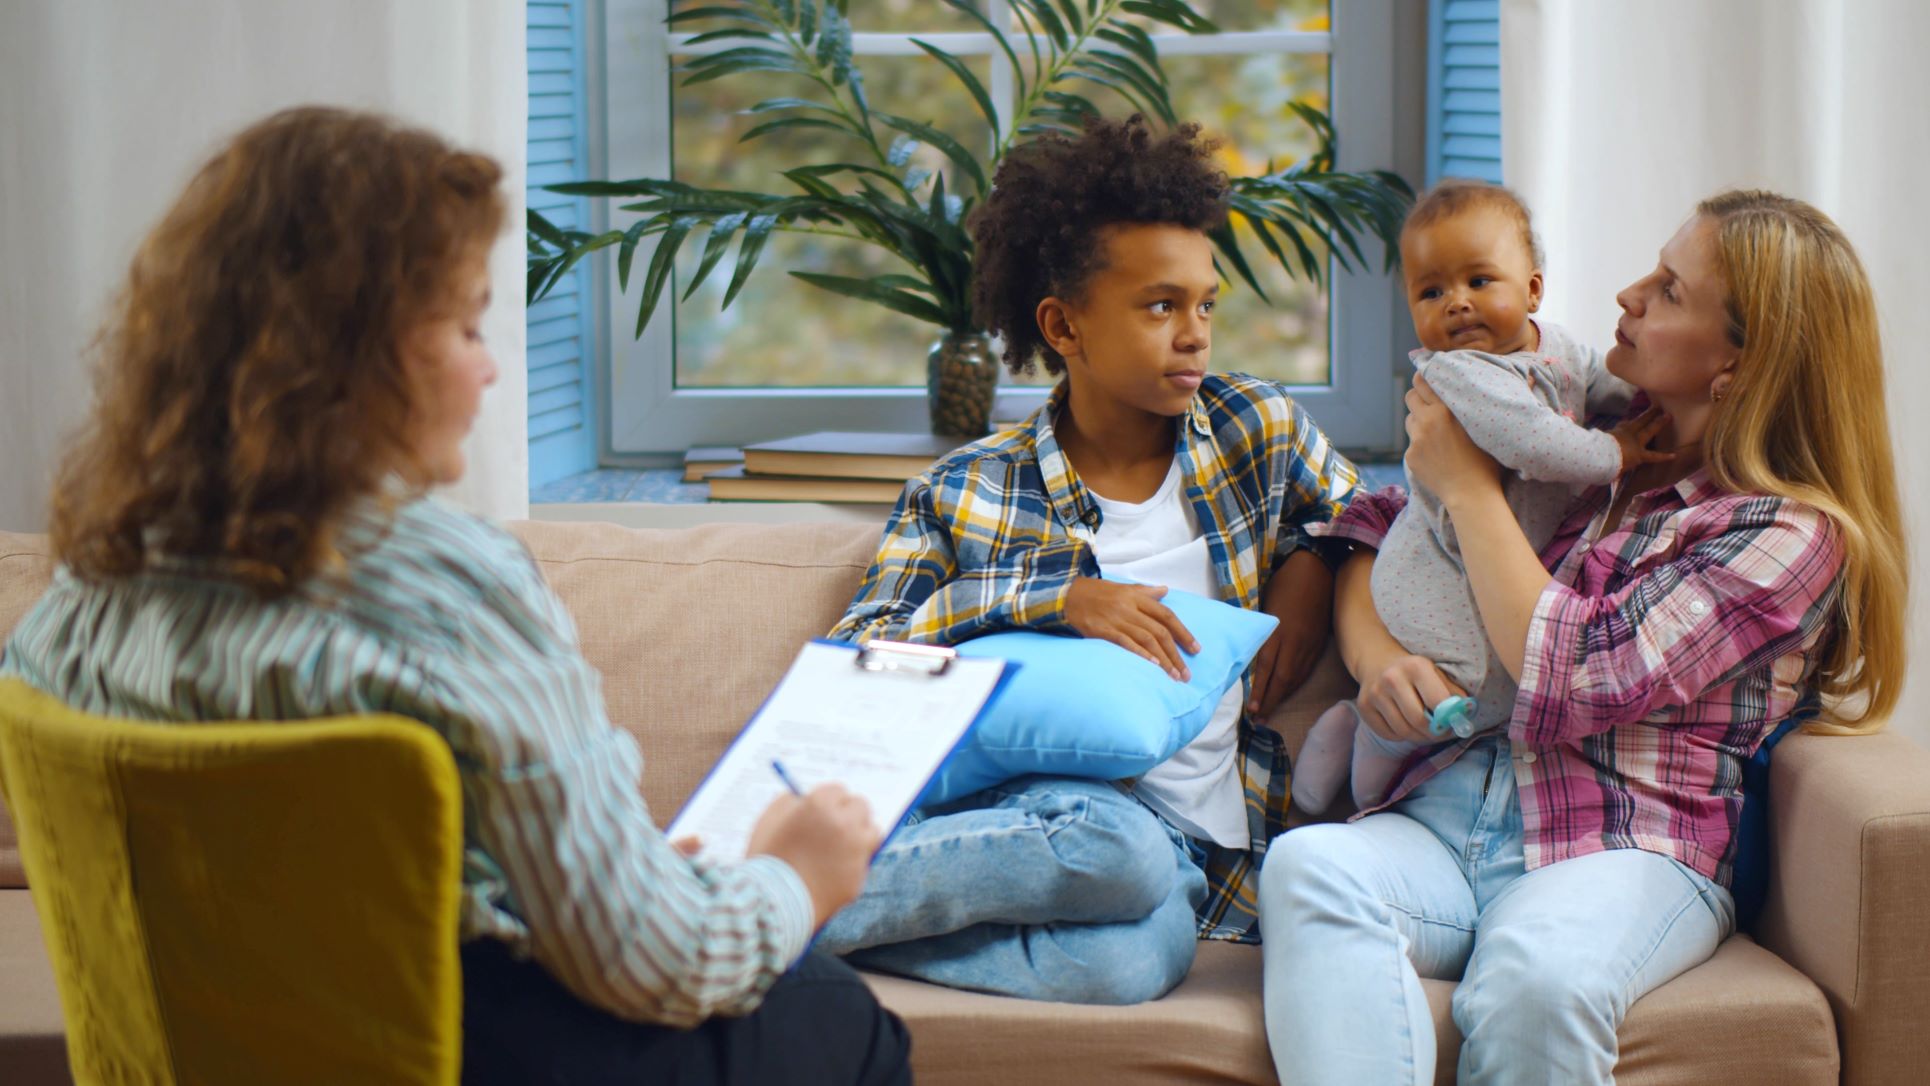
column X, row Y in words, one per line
column 242, row 903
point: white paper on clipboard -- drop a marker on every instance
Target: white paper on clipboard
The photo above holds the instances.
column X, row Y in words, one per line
column 878, row 720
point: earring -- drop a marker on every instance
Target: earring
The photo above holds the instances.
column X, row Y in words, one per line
column 1715, row 394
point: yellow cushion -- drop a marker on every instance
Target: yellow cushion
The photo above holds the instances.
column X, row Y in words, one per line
column 242, row 902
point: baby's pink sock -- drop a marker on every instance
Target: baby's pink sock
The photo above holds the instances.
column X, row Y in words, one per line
column 1376, row 760
column 1325, row 759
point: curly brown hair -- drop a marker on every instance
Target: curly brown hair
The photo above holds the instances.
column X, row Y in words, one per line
column 1037, row 235
column 249, row 384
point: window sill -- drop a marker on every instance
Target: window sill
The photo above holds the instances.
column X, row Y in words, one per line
column 663, row 486
column 661, row 499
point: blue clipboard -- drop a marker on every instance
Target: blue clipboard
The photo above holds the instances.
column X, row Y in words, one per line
column 928, row 662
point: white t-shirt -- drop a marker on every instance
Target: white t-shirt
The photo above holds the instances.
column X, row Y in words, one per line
column 1159, row 541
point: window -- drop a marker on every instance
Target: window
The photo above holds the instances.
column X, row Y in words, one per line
column 562, row 335
column 1464, row 90
column 787, row 358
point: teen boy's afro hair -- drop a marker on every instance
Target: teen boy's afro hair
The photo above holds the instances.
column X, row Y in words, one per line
column 1037, row 234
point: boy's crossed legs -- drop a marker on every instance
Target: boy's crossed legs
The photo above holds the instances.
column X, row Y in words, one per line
column 1043, row 887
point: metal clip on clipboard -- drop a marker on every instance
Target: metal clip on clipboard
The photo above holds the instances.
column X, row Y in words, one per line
column 930, row 660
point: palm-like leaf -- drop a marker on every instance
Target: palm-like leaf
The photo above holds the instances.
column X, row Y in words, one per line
column 878, row 198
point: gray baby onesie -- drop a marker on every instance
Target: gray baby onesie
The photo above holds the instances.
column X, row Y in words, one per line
column 1529, row 411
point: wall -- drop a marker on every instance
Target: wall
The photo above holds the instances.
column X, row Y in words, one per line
column 105, row 110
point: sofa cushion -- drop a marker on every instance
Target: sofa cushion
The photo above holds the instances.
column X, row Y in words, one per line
column 1743, row 1017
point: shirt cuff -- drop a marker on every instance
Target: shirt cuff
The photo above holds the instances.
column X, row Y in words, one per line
column 1366, row 519
column 1039, row 603
column 793, row 916
column 1548, row 666
column 1608, row 458
column 1333, row 550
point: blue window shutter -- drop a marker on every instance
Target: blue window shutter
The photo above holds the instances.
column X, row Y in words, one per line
column 1464, row 90
column 562, row 339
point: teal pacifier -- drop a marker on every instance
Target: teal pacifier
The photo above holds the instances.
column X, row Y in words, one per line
column 1454, row 714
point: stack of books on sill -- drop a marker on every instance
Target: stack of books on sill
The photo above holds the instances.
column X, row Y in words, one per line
column 829, row 466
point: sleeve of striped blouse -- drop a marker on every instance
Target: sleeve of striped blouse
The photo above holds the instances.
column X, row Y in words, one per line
column 613, row 911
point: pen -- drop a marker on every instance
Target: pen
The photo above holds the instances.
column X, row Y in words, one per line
column 786, row 777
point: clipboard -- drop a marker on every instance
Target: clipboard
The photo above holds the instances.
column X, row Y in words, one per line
column 880, row 719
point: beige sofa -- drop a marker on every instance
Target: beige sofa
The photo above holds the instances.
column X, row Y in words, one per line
column 691, row 628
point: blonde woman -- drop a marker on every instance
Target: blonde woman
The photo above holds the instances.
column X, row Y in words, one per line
column 1580, row 856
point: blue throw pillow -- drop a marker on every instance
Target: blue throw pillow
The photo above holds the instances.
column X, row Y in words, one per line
column 1081, row 707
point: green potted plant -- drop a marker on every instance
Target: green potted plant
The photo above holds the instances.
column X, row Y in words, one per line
column 870, row 192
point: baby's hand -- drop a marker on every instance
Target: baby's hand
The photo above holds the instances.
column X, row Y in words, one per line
column 1634, row 435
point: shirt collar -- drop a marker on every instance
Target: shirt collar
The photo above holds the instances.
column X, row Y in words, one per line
column 1697, row 487
column 1197, row 416
column 1070, row 499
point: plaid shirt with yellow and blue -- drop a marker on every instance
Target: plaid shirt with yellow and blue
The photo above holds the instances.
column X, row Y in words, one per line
column 992, row 535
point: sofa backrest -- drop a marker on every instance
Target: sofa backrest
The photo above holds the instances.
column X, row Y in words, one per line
column 690, row 629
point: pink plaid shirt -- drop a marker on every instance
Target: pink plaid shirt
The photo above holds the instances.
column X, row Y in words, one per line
column 1657, row 660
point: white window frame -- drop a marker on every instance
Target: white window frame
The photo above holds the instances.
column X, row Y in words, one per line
column 649, row 419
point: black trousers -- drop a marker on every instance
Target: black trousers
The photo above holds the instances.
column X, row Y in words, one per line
column 819, row 1025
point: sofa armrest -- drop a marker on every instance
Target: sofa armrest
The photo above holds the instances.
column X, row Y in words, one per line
column 1849, row 895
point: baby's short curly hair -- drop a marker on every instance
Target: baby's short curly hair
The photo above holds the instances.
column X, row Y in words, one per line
column 1458, row 196
column 1037, row 235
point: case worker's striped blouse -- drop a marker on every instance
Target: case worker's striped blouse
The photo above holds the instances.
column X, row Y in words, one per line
column 439, row 616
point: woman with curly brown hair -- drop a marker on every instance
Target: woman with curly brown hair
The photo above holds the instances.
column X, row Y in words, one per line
column 1094, row 261
column 245, row 533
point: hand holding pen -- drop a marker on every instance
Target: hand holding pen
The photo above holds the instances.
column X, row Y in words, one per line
column 825, row 835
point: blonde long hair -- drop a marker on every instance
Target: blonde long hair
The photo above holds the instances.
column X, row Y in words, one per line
column 1805, row 419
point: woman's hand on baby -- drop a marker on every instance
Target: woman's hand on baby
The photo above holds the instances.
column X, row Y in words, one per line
column 1301, row 595
column 1131, row 616
column 1398, row 694
column 1634, row 436
column 1440, row 454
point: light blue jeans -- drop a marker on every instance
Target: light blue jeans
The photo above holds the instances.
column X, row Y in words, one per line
column 1550, row 959
column 1043, row 888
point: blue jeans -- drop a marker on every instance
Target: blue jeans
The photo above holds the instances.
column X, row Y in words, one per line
column 1043, row 888
column 1549, row 959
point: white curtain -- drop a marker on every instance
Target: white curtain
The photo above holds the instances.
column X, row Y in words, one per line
column 1618, row 117
column 106, row 107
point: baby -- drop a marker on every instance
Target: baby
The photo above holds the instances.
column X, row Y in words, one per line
column 1522, row 390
